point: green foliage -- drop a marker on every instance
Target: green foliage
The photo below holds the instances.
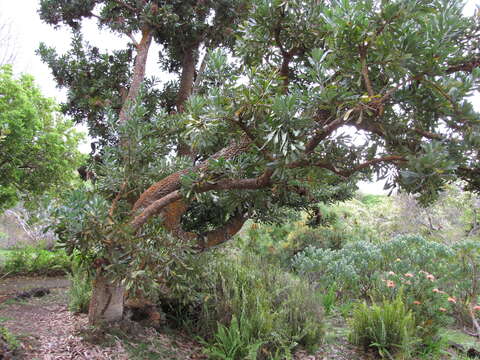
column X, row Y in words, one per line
column 372, row 200
column 389, row 327
column 329, row 298
column 35, row 261
column 358, row 265
column 85, row 228
column 234, row 342
column 38, row 147
column 243, row 304
column 421, row 294
column 11, row 340
column 80, row 290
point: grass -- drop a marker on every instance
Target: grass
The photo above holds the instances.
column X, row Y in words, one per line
column 4, row 254
column 12, row 342
column 33, row 261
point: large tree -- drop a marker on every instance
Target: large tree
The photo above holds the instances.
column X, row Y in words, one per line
column 38, row 146
column 293, row 102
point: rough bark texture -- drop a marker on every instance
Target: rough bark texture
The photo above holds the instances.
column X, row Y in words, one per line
column 171, row 183
column 187, row 78
column 106, row 304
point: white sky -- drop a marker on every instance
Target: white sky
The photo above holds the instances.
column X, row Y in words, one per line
column 29, row 31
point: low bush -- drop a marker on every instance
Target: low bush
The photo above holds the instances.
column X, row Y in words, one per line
column 423, row 296
column 243, row 306
column 353, row 268
column 388, row 327
column 36, row 261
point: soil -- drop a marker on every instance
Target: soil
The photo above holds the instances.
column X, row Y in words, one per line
column 48, row 331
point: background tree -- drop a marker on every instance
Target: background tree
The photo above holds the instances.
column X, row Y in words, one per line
column 38, row 147
column 311, row 97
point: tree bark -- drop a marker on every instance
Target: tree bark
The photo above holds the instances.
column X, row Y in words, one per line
column 138, row 74
column 187, row 78
column 106, row 304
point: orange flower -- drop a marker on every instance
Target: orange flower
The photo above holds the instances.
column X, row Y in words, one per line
column 409, row 275
column 390, row 284
column 452, row 300
column 442, row 309
column 430, row 277
column 417, row 302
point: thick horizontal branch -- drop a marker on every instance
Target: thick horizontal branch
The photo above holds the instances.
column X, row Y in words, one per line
column 225, row 184
column 466, row 66
column 172, row 182
column 223, row 233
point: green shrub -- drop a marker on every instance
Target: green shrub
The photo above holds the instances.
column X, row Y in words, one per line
column 35, row 261
column 80, row 291
column 372, row 200
column 325, row 238
column 354, row 268
column 423, row 296
column 358, row 266
column 329, row 298
column 388, row 327
column 234, row 341
column 274, row 310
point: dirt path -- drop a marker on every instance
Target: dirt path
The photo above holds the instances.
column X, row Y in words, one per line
column 13, row 285
column 48, row 331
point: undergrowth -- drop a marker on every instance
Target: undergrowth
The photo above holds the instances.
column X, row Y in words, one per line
column 35, row 261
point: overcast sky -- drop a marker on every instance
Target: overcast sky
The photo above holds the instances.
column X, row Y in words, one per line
column 29, row 31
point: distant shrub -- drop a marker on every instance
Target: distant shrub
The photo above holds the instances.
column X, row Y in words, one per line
column 388, row 327
column 357, row 267
column 32, row 261
column 325, row 238
column 272, row 310
column 372, row 200
column 353, row 268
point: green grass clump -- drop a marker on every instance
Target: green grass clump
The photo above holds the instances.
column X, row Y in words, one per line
column 11, row 341
column 388, row 327
column 80, row 291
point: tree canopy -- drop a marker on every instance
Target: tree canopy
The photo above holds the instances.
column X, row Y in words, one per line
column 38, row 147
column 293, row 102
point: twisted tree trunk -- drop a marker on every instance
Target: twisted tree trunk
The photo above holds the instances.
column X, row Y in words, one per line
column 107, row 300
